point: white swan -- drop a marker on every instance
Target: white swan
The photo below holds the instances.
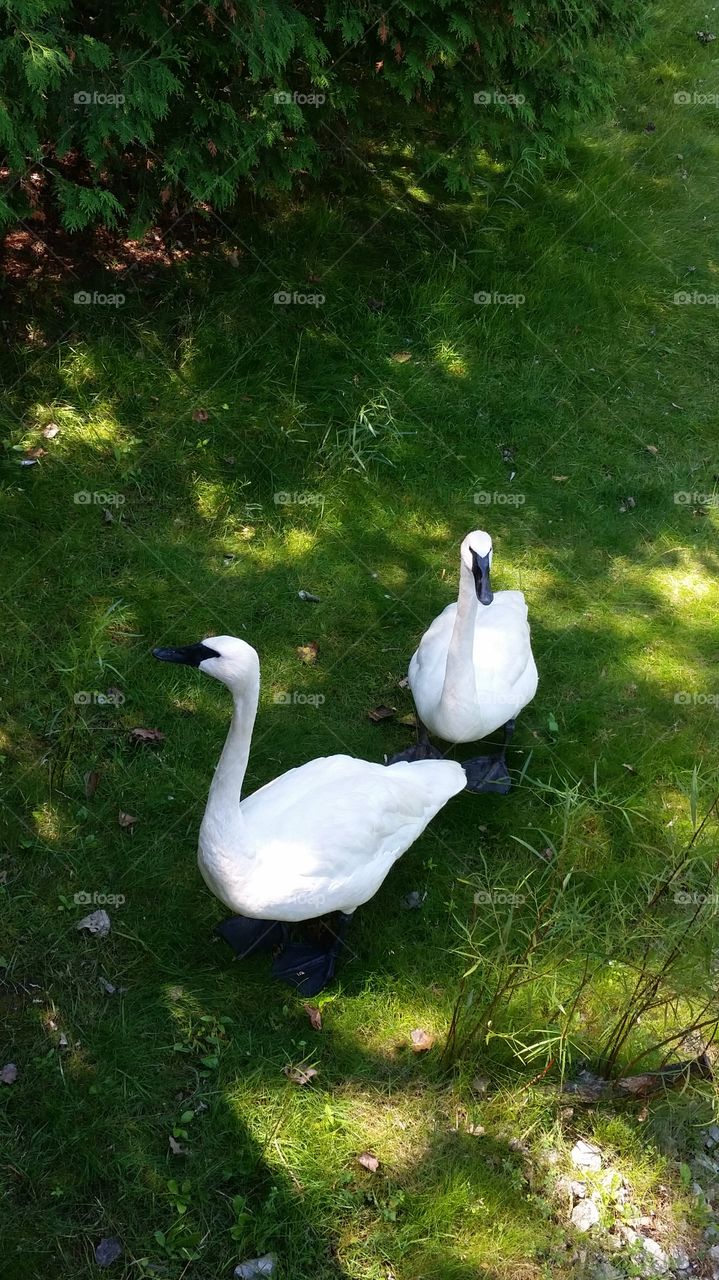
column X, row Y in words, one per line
column 474, row 671
column 320, row 838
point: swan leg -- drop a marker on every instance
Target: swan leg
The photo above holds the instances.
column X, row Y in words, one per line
column 423, row 749
column 309, row 969
column 247, row 936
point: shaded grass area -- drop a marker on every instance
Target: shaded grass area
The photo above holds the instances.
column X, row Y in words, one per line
column 555, row 399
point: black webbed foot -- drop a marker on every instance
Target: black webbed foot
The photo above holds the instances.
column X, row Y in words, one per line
column 247, row 936
column 487, row 775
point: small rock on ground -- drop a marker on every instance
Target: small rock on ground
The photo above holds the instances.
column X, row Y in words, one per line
column 586, row 1156
column 585, row 1215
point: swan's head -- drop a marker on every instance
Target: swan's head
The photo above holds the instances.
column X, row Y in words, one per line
column 476, row 553
column 226, row 658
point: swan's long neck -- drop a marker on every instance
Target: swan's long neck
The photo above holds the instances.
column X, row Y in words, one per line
column 459, row 685
column 222, row 814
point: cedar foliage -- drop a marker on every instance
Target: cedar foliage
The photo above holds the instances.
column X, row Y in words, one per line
column 115, row 110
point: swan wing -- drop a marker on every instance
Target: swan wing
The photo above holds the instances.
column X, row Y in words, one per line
column 429, row 662
column 327, row 833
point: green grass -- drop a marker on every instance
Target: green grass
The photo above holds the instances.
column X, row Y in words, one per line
column 597, row 364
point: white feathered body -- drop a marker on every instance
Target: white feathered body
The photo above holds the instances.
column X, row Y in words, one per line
column 505, row 673
column 322, row 837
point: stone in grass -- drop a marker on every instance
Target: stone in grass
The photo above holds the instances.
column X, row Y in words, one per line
column 107, row 1251
column 656, row 1253
column 585, row 1215
column 711, row 1137
column 586, row 1156
column 256, row 1267
column 679, row 1259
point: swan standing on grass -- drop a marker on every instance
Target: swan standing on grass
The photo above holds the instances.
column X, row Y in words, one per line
column 474, row 671
column 319, row 839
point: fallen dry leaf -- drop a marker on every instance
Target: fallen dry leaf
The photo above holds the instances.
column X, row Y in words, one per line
column 368, row 1161
column 176, row 1147
column 200, row 415
column 8, row 1075
column 300, row 1075
column 410, row 720
column 97, row 922
column 421, row 1040
column 403, row 683
column 126, row 819
column 50, row 431
column 314, row 1015
column 91, row 780
column 629, row 768
column 37, row 451
column 376, row 714
column 147, row 735
column 308, row 653
column 651, row 448
column 401, row 357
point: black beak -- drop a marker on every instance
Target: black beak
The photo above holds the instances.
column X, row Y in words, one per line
column 480, row 571
column 192, row 655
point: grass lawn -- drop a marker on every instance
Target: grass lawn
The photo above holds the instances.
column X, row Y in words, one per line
column 345, row 448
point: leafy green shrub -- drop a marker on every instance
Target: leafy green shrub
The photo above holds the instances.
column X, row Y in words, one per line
column 115, row 111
